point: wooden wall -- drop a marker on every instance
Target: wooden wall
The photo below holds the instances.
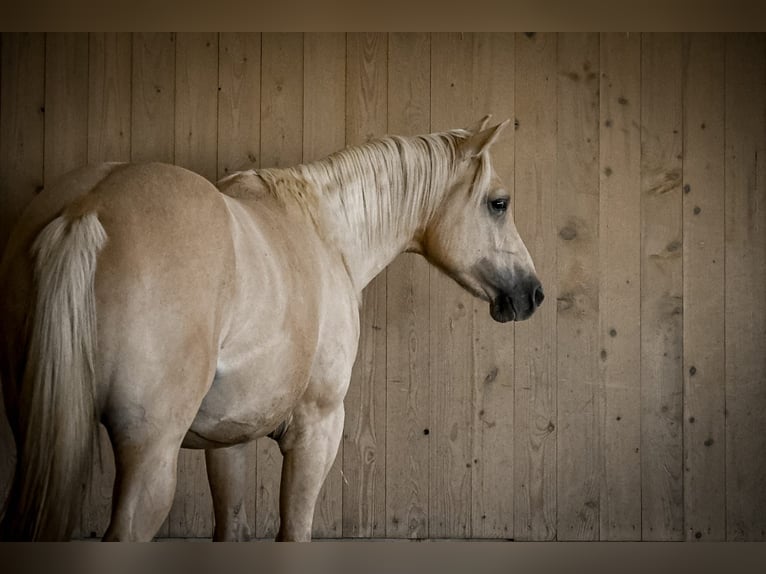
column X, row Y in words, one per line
column 632, row 406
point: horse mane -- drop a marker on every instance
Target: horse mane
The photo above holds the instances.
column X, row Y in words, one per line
column 389, row 185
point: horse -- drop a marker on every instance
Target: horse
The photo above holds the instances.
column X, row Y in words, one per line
column 182, row 314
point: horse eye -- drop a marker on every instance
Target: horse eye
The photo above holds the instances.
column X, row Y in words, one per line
column 499, row 205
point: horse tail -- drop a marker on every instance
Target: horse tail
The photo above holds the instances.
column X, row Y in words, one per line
column 57, row 416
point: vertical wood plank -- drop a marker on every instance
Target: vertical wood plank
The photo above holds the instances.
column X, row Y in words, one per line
column 109, row 97
column 745, row 300
column 239, row 102
column 66, row 104
column 661, row 288
column 364, row 438
column 492, row 477
column 324, row 131
column 22, row 107
column 22, row 101
column 239, row 146
column 281, row 146
column 364, row 435
column 535, row 356
column 578, row 468
column 619, row 289
column 108, row 140
column 704, row 319
column 407, row 322
column 153, row 90
column 451, row 314
column 195, row 125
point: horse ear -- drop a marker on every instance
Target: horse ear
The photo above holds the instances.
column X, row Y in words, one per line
column 480, row 125
column 480, row 142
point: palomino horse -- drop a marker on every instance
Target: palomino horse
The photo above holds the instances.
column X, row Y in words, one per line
column 181, row 315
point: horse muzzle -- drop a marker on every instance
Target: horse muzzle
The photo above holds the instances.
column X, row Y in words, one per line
column 518, row 303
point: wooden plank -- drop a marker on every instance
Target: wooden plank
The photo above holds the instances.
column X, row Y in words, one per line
column 22, row 100
column 109, row 69
column 195, row 105
column 704, row 319
column 619, row 288
column 661, row 289
column 579, row 448
column 66, row 110
column 492, row 478
column 239, row 102
column 109, row 97
column 407, row 321
column 364, row 437
column 152, row 132
column 281, row 146
column 22, row 106
column 745, row 301
column 324, row 131
column 451, row 314
column 535, row 348
column 239, row 137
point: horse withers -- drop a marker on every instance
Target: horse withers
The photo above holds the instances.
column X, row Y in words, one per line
column 179, row 314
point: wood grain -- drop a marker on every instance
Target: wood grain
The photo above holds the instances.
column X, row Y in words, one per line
column 324, row 131
column 281, row 145
column 407, row 320
column 535, row 355
column 745, row 296
column 364, row 437
column 619, row 288
column 661, row 288
column 704, row 318
column 578, row 466
column 152, row 131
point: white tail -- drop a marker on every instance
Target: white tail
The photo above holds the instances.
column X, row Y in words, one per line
column 58, row 422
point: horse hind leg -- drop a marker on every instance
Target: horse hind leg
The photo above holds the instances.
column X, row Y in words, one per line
column 147, row 431
column 227, row 475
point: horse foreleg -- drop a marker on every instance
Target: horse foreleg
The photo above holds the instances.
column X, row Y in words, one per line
column 309, row 446
column 227, row 475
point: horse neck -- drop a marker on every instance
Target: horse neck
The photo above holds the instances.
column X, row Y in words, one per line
column 373, row 201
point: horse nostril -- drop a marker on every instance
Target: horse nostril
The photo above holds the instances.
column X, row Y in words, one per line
column 538, row 295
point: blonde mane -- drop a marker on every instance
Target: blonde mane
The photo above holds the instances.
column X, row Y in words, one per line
column 387, row 187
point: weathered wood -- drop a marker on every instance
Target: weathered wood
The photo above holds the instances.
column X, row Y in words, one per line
column 407, row 321
column 619, row 288
column 239, row 102
column 281, row 145
column 109, row 70
column 22, row 101
column 152, row 106
column 195, row 105
column 364, row 436
column 579, row 441
column 661, row 288
column 535, row 356
column 745, row 300
column 703, row 231
column 451, row 314
column 324, row 131
column 492, row 477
